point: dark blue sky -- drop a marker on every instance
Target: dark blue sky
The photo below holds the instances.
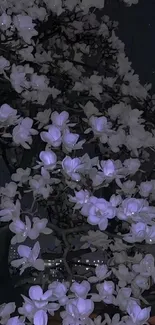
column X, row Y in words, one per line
column 137, row 31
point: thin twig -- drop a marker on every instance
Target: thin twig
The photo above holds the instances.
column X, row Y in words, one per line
column 70, row 256
column 69, row 230
column 65, row 257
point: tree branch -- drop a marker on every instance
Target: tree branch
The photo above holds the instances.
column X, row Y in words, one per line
column 61, row 231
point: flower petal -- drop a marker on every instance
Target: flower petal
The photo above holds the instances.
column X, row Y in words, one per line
column 40, row 318
column 7, row 309
column 47, row 294
column 39, row 264
column 35, row 250
column 35, row 292
column 47, row 231
column 33, row 234
column 24, row 251
column 17, row 263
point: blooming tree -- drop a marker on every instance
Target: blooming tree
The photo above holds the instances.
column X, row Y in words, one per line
column 76, row 130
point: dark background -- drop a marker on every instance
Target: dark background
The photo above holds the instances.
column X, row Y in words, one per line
column 136, row 30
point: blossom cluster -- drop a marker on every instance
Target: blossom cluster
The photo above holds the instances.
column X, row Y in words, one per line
column 65, row 106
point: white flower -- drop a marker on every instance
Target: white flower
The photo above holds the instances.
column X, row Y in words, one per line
column 40, row 184
column 52, row 137
column 49, row 159
column 130, row 2
column 122, row 298
column 106, row 290
column 10, row 190
column 71, row 167
column 98, row 124
column 128, row 187
column 81, row 198
column 150, row 234
column 35, row 308
column 108, row 168
column 59, row 291
column 4, row 64
column 40, row 226
column 114, row 321
column 42, row 118
column 99, row 211
column 132, row 165
column 7, row 114
column 89, row 163
column 5, row 21
column 39, row 82
column 18, row 77
column 133, row 142
column 116, row 140
column 10, row 211
column 103, row 30
column 141, row 282
column 69, row 140
column 89, row 109
column 25, row 27
column 40, row 317
column 98, row 206
column 137, row 233
column 95, row 238
column 26, row 53
column 21, row 175
column 120, row 257
column 146, row 266
column 96, row 176
column 16, row 321
column 21, row 229
column 115, row 200
column 24, row 230
column 80, row 308
column 60, row 120
column 37, row 12
column 116, row 110
column 94, row 85
column 55, row 6
column 145, row 188
column 55, row 92
column 29, row 258
column 80, row 289
column 123, row 275
column 118, row 245
column 102, row 272
column 86, row 4
column 139, row 316
column 23, row 131
column 38, row 96
column 130, row 208
column 5, row 311
column 40, row 299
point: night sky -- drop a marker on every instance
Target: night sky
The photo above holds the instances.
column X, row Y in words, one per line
column 137, row 31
